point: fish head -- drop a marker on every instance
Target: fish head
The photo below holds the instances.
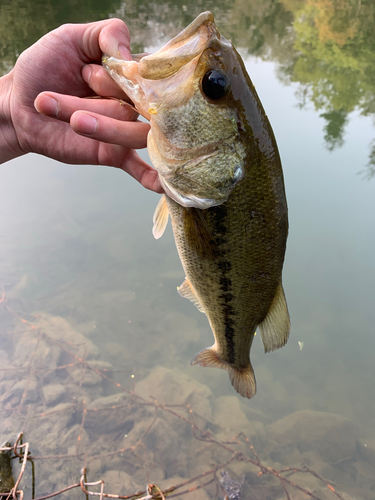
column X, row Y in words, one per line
column 189, row 91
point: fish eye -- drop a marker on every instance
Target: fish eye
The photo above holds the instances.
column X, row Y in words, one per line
column 214, row 85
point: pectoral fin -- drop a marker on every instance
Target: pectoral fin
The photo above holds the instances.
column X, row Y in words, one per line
column 160, row 218
column 242, row 379
column 198, row 234
column 275, row 328
column 186, row 290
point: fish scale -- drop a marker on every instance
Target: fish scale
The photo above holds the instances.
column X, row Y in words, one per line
column 236, row 287
column 218, row 162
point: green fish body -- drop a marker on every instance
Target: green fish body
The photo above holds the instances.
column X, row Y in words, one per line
column 218, row 162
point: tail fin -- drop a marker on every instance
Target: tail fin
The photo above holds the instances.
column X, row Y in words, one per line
column 242, row 379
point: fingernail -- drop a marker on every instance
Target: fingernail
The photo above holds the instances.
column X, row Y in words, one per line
column 86, row 124
column 86, row 74
column 47, row 105
column 125, row 52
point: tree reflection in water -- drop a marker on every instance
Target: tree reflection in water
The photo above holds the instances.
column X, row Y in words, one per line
column 326, row 46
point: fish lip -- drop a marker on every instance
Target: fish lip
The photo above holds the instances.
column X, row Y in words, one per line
column 137, row 77
column 164, row 63
column 180, row 50
column 127, row 81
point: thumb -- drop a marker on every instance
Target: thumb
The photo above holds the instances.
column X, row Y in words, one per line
column 114, row 40
column 111, row 37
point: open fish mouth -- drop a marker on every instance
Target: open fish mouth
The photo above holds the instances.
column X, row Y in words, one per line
column 133, row 76
column 194, row 142
column 211, row 144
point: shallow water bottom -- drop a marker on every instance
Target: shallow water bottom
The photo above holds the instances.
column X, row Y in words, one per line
column 95, row 350
column 82, row 400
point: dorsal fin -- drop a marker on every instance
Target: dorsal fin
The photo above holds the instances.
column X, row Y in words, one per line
column 160, row 218
column 275, row 327
column 186, row 290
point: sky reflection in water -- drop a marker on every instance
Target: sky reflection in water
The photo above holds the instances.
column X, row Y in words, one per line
column 76, row 242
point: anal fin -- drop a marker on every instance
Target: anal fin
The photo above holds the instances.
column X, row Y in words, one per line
column 242, row 379
column 186, row 290
column 160, row 219
column 275, row 327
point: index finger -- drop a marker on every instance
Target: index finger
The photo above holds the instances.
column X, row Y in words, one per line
column 101, row 83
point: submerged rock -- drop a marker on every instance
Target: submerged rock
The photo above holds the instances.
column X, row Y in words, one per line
column 200, row 494
column 161, row 440
column 32, row 345
column 175, row 387
column 6, row 371
column 120, row 483
column 332, row 437
column 46, row 436
column 53, row 393
column 59, row 329
column 229, row 416
column 26, row 389
column 366, row 448
column 111, row 414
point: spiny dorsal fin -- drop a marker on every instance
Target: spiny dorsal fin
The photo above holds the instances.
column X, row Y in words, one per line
column 160, row 218
column 275, row 327
column 186, row 290
column 242, row 379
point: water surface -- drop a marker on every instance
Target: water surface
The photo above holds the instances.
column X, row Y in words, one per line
column 78, row 262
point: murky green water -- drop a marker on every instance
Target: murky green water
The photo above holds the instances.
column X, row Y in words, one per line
column 78, row 262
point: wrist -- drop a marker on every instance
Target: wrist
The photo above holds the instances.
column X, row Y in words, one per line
column 9, row 145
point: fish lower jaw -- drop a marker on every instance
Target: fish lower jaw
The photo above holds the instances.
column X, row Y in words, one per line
column 189, row 200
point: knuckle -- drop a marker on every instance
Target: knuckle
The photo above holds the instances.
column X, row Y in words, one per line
column 120, row 25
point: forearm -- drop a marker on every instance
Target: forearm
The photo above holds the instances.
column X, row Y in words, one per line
column 9, row 146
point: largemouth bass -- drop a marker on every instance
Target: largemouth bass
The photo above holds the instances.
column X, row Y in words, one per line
column 218, row 162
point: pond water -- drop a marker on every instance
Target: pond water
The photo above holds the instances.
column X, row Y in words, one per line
column 95, row 340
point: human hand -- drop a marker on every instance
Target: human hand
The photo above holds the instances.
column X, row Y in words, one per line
column 58, row 72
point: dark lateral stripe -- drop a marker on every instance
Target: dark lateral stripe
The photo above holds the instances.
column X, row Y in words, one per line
column 229, row 332
column 198, row 235
column 220, row 230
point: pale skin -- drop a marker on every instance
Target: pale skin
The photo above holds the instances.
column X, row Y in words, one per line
column 45, row 109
